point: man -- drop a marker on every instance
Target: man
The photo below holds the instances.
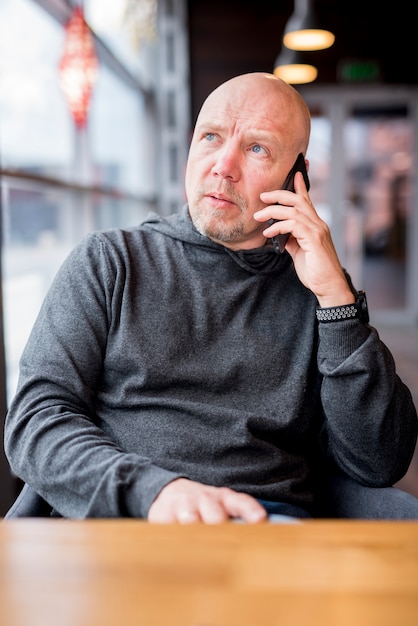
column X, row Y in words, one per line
column 178, row 372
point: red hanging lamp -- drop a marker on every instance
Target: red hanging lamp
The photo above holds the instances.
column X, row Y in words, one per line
column 78, row 66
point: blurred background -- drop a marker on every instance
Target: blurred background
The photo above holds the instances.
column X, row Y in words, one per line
column 97, row 105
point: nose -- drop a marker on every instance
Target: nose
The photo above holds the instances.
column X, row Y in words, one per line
column 227, row 164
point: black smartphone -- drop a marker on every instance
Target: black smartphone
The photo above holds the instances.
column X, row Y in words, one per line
column 279, row 242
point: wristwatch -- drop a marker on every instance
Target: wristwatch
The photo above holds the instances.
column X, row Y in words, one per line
column 356, row 310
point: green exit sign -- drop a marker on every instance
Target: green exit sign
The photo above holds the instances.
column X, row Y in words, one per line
column 358, row 70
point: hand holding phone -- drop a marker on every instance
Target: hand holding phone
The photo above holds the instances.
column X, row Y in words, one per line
column 279, row 241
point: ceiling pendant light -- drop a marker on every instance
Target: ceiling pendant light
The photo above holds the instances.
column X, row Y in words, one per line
column 302, row 31
column 291, row 66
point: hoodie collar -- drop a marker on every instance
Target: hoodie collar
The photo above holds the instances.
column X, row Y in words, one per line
column 180, row 226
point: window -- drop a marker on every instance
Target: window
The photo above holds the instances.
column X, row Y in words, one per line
column 59, row 183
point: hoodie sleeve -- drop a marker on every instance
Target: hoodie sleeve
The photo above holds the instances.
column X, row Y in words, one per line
column 52, row 437
column 370, row 418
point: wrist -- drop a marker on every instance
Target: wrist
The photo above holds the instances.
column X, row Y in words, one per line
column 326, row 302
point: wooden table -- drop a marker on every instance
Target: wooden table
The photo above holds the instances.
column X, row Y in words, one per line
column 128, row 572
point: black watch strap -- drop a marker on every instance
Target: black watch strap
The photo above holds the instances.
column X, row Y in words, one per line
column 355, row 310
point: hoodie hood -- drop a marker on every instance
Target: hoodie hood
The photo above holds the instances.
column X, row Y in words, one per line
column 180, row 226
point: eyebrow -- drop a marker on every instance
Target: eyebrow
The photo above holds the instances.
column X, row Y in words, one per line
column 262, row 136
column 209, row 127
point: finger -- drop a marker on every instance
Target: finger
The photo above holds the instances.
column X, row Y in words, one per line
column 212, row 511
column 187, row 516
column 243, row 506
column 160, row 515
column 278, row 196
column 299, row 184
column 279, row 227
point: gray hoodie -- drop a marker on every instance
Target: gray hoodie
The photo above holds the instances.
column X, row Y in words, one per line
column 158, row 353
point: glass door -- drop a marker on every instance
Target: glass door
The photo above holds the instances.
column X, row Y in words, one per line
column 363, row 168
column 379, row 145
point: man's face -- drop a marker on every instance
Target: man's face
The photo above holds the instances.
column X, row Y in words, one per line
column 242, row 145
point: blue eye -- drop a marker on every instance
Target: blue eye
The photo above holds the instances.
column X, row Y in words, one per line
column 257, row 148
column 210, row 136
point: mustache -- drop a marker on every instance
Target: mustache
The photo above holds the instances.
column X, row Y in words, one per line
column 227, row 190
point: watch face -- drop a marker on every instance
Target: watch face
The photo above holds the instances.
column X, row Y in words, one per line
column 364, row 309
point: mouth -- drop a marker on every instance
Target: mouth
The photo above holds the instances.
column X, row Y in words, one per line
column 219, row 199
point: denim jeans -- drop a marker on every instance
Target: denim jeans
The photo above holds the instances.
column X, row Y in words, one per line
column 282, row 511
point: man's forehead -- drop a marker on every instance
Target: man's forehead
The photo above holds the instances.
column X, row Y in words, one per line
column 228, row 115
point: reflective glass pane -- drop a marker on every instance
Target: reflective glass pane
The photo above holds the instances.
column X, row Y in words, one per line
column 39, row 229
column 35, row 127
column 113, row 212
column 120, row 152
column 378, row 152
column 128, row 28
column 319, row 154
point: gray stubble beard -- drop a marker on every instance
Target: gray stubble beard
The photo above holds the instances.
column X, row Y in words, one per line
column 214, row 227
